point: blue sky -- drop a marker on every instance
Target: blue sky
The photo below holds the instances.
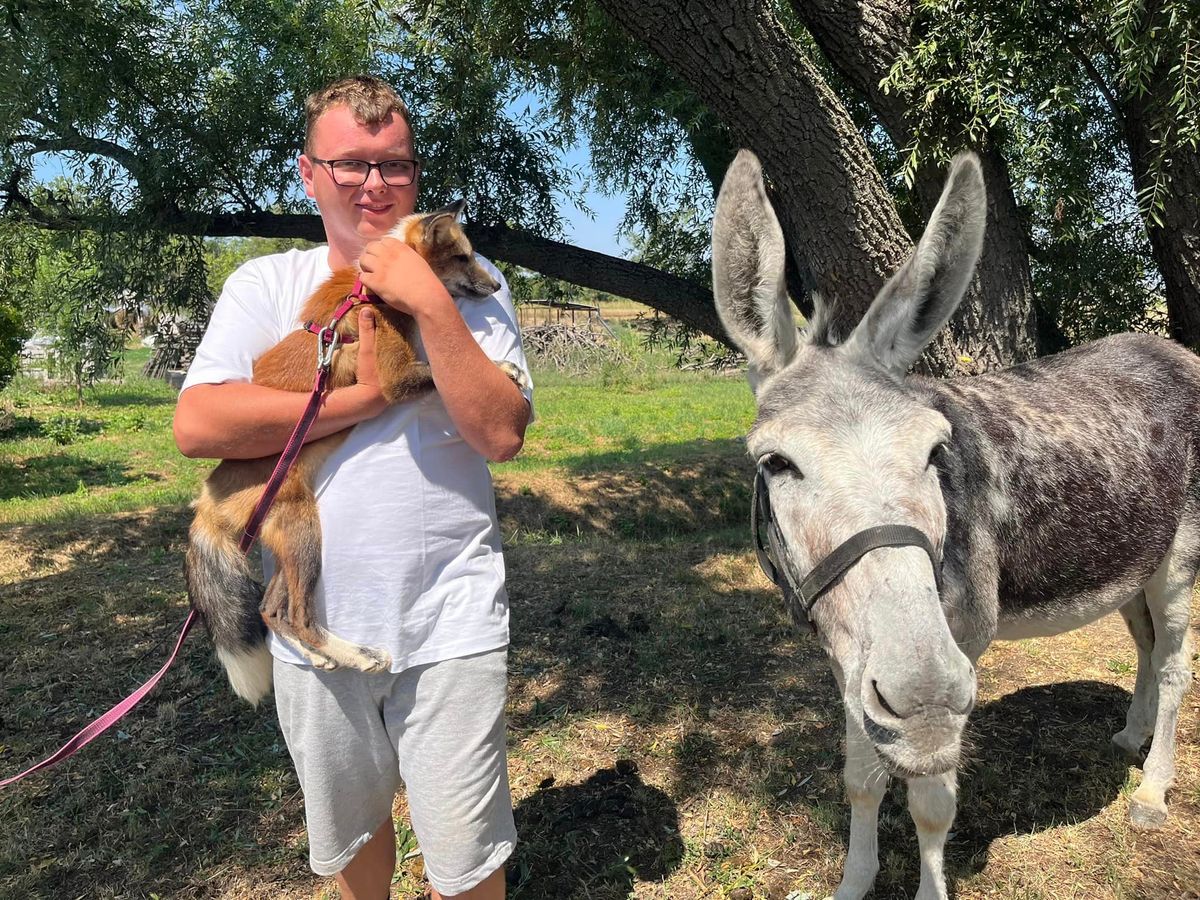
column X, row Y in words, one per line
column 599, row 234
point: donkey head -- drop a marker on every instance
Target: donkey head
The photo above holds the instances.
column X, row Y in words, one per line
column 844, row 445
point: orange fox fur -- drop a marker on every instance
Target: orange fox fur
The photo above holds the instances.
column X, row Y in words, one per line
column 220, row 583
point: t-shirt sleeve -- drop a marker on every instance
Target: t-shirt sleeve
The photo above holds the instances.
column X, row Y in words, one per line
column 493, row 322
column 242, row 328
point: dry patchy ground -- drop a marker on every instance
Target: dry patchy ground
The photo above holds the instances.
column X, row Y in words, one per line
column 671, row 736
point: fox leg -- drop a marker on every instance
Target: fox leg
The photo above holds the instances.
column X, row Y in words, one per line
column 401, row 377
column 293, row 534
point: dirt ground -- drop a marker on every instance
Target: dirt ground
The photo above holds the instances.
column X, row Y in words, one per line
column 671, row 735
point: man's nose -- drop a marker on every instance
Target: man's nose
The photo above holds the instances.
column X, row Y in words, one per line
column 374, row 181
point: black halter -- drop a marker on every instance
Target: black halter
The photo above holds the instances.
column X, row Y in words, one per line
column 802, row 594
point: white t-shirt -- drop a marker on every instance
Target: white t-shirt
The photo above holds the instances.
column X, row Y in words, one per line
column 411, row 561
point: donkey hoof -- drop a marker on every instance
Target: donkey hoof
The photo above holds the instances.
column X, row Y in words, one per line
column 1147, row 813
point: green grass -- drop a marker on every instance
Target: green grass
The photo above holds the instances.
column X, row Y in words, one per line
column 116, row 454
column 583, row 423
column 120, row 455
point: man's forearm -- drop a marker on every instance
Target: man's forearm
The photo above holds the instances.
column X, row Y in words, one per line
column 238, row 420
column 489, row 410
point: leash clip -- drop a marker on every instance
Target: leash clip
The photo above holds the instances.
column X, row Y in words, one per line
column 328, row 341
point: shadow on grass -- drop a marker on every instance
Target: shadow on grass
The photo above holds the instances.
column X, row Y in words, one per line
column 674, row 633
column 189, row 785
column 687, row 488
column 595, row 838
column 1042, row 758
column 61, row 473
column 14, row 428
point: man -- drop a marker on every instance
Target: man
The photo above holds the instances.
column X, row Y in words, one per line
column 412, row 557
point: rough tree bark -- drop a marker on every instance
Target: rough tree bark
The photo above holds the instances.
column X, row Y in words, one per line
column 1175, row 238
column 842, row 224
column 832, row 203
column 996, row 324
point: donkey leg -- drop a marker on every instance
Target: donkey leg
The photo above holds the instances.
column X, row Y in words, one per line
column 866, row 782
column 1143, row 709
column 1169, row 598
column 932, row 802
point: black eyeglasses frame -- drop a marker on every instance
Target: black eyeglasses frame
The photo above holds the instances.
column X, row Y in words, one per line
column 416, row 164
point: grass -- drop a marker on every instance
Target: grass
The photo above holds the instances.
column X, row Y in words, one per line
column 670, row 735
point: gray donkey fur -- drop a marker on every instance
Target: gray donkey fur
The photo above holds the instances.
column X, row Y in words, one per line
column 1057, row 491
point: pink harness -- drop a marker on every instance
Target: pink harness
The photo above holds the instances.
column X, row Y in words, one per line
column 328, row 341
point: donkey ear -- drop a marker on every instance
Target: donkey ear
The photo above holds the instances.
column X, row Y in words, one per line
column 920, row 298
column 748, row 263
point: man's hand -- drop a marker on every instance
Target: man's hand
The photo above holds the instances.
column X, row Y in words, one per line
column 397, row 274
column 366, row 374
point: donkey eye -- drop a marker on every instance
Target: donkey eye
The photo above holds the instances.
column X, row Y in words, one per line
column 775, row 463
column 937, row 457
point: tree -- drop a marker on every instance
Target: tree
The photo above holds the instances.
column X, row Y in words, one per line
column 1104, row 102
column 195, row 126
column 827, row 92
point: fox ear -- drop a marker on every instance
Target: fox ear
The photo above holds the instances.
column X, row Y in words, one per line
column 456, row 209
column 438, row 228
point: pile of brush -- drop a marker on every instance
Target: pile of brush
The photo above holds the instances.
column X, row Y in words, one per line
column 569, row 348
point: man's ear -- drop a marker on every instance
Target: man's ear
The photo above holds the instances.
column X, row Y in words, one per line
column 306, row 173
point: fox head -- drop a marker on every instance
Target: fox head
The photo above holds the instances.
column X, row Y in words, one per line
column 441, row 241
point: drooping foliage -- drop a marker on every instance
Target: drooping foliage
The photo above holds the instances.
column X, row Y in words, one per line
column 1055, row 80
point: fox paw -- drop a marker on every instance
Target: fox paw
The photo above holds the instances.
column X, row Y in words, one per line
column 515, row 373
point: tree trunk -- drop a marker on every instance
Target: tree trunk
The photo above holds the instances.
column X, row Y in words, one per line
column 832, row 203
column 1175, row 242
column 995, row 325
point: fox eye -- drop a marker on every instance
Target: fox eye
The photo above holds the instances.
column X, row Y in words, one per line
column 775, row 464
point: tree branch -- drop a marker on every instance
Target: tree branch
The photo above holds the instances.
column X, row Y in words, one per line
column 77, row 143
column 688, row 301
column 1097, row 79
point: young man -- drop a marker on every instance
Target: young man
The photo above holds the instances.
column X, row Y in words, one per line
column 412, row 558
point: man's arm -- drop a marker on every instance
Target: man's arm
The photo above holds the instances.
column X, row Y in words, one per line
column 239, row 420
column 489, row 411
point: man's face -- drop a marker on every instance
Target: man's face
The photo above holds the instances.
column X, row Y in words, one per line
column 355, row 216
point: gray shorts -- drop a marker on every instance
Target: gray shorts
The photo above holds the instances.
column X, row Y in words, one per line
column 438, row 728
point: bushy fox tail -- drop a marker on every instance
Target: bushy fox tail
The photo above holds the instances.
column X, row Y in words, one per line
column 224, row 591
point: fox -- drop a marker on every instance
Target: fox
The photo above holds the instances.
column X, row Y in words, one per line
column 235, row 607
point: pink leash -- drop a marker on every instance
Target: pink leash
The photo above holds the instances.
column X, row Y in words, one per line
column 327, row 342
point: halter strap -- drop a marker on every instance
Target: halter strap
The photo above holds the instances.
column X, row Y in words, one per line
column 358, row 296
column 773, row 558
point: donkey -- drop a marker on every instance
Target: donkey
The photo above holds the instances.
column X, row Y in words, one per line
column 940, row 515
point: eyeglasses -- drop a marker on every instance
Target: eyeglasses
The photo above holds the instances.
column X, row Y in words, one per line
column 355, row 172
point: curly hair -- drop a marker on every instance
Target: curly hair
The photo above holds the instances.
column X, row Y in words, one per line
column 371, row 100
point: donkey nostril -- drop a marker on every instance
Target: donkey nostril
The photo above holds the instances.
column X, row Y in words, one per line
column 887, row 707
